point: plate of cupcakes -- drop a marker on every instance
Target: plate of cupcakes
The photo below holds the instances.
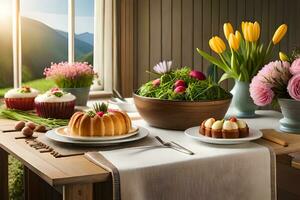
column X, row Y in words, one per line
column 223, row 131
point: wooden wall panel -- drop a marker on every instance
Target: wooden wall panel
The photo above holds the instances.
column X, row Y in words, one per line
column 198, row 34
column 173, row 29
column 143, row 37
column 176, row 32
column 166, row 8
column 187, row 41
column 155, row 33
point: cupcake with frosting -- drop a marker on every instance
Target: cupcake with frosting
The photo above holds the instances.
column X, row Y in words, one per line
column 205, row 128
column 230, row 129
column 21, row 98
column 216, row 129
column 243, row 128
column 55, row 104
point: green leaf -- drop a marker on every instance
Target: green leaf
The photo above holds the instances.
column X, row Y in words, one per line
column 224, row 77
column 213, row 60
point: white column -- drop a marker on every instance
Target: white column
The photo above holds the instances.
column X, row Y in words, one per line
column 99, row 43
column 17, row 54
column 108, row 44
column 71, row 30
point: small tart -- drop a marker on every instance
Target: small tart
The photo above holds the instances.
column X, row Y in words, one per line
column 243, row 128
column 230, row 130
column 216, row 129
column 205, row 128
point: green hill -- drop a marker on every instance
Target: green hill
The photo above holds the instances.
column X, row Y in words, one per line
column 41, row 45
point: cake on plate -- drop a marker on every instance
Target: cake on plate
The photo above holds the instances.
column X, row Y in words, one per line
column 55, row 104
column 21, row 98
column 100, row 122
column 231, row 128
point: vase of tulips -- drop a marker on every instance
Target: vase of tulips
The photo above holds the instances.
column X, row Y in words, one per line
column 245, row 56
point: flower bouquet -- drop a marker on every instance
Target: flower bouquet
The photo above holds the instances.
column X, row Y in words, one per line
column 279, row 81
column 181, row 98
column 75, row 78
column 245, row 57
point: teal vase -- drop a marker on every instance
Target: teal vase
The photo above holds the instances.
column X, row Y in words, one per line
column 242, row 104
column 290, row 109
column 81, row 94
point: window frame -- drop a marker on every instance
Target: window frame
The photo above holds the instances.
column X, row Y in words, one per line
column 104, row 38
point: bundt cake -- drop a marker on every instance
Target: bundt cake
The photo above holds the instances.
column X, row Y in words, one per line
column 232, row 128
column 100, row 122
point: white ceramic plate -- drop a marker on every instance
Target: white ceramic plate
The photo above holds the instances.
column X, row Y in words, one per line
column 58, row 138
column 193, row 132
column 64, row 132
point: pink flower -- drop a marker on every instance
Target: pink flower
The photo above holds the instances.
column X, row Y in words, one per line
column 274, row 70
column 197, row 75
column 275, row 74
column 294, row 87
column 179, row 90
column 179, row 83
column 261, row 93
column 295, row 68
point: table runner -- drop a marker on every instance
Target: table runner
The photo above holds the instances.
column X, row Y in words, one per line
column 244, row 171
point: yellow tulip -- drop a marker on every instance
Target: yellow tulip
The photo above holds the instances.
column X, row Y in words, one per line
column 279, row 33
column 244, row 30
column 251, row 31
column 256, row 29
column 234, row 42
column 217, row 45
column 283, row 56
column 244, row 27
column 238, row 35
column 227, row 28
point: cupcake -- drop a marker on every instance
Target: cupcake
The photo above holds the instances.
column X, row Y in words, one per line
column 216, row 129
column 230, row 129
column 21, row 98
column 55, row 104
column 205, row 128
column 243, row 128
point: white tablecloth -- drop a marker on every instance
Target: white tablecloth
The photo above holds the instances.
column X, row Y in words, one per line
column 244, row 171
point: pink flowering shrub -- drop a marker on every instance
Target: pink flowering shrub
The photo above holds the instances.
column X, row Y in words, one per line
column 71, row 75
column 270, row 83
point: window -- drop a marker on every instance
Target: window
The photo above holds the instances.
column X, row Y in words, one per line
column 44, row 38
column 45, row 31
column 6, row 53
column 84, row 30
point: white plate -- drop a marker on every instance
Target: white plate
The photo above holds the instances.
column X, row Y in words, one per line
column 193, row 132
column 58, row 138
column 64, row 132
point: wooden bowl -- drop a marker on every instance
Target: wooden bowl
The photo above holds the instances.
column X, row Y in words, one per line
column 179, row 115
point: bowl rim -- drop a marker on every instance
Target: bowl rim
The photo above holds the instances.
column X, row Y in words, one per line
column 180, row 101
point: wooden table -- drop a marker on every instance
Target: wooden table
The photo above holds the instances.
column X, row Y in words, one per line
column 72, row 178
column 75, row 178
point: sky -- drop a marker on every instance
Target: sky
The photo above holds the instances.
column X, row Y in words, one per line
column 54, row 13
